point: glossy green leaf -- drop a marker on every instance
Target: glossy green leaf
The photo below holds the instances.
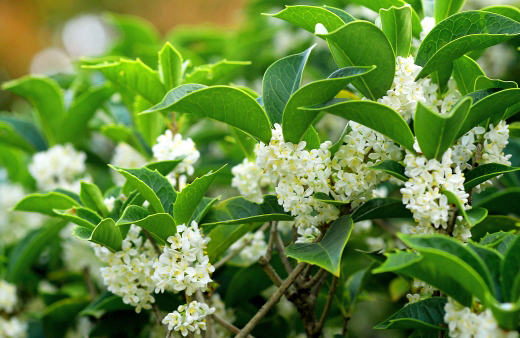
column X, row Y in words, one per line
column 224, row 235
column 437, row 132
column 484, row 82
column 154, row 187
column 170, row 66
column 460, row 34
column 391, row 167
column 492, row 224
column 106, row 234
column 239, row 210
column 203, row 208
column 377, row 5
column 92, row 198
column 396, row 23
column 381, row 208
column 27, row 250
column 514, row 129
column 136, row 77
column 46, row 97
column 488, row 106
column 327, row 253
column 472, row 216
column 325, row 198
column 164, row 167
column 245, row 142
column 374, row 115
column 296, row 122
column 446, row 8
column 493, row 261
column 504, row 10
column 10, row 136
column 45, row 203
column 494, row 239
column 426, row 314
column 307, row 17
column 80, row 216
column 190, row 196
column 377, row 51
column 160, row 225
column 222, row 103
column 217, row 73
column 502, row 202
column 281, row 80
column 510, row 271
column 24, row 129
column 466, row 71
column 485, row 172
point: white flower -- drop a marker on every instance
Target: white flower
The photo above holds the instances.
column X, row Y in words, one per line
column 183, row 264
column 254, row 250
column 128, row 272
column 427, row 25
column 13, row 328
column 109, row 202
column 8, row 296
column 249, row 179
column 59, row 167
column 320, row 29
column 189, row 318
column 125, row 157
column 170, row 147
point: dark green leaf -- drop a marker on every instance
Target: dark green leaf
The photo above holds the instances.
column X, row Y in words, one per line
column 60, row 315
column 164, row 167
column 493, row 261
column 224, row 235
column 446, row 8
column 381, row 208
column 397, row 26
column 25, row 129
column 10, row 136
column 327, row 253
column 510, row 271
column 105, row 302
column 391, row 167
column 426, row 314
column 203, row 208
column 160, row 225
column 504, row 10
column 502, row 202
column 92, row 198
column 80, row 216
column 466, row 71
column 485, row 172
column 492, row 224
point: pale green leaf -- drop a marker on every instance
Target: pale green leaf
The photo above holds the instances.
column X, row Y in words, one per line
column 397, row 25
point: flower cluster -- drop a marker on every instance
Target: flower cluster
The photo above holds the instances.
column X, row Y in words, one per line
column 59, row 167
column 362, row 148
column 172, row 147
column 422, row 193
column 183, row 264
column 13, row 328
column 495, row 140
column 254, row 250
column 128, row 272
column 298, row 174
column 8, row 296
column 125, row 157
column 249, row 179
column 464, row 323
column 189, row 318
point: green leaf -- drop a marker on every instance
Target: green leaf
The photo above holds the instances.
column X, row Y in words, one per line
column 510, row 271
column 222, row 103
column 203, row 208
column 165, row 167
column 80, row 216
column 239, row 210
column 377, row 51
column 45, row 203
column 120, row 133
column 327, row 253
column 47, row 98
column 82, row 110
column 281, row 80
column 426, row 314
column 190, row 196
column 136, row 77
column 307, row 17
column 296, row 122
column 466, row 71
column 170, row 66
column 446, row 8
column 107, row 234
column 391, row 167
column 496, row 238
column 493, row 261
column 160, row 225
column 25, row 253
column 437, row 132
column 374, row 115
column 493, row 224
column 153, row 186
column 514, row 129
column 92, row 198
column 485, row 172
column 488, row 106
column 397, row 26
column 325, row 198
column 484, row 82
column 217, row 73
column 245, row 142
column 504, row 10
column 25, row 129
column 472, row 216
column 224, row 235
column 449, row 245
column 381, row 208
column 60, row 315
column 460, row 34
column 377, row 5
column 502, row 202
column 10, row 136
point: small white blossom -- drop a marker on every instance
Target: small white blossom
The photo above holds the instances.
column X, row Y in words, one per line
column 189, row 318
column 125, row 157
column 254, row 250
column 172, row 147
column 13, row 328
column 8, row 296
column 249, row 179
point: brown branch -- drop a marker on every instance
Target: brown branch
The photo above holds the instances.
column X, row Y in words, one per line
column 227, row 324
column 154, row 244
column 309, row 284
column 270, row 244
column 344, row 329
column 269, row 270
column 452, row 221
column 275, row 298
column 326, row 310
column 280, row 247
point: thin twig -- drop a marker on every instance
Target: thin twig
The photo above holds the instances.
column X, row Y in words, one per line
column 270, row 244
column 452, row 221
column 88, row 280
column 151, row 240
column 275, row 298
column 159, row 317
column 280, row 247
column 227, row 324
column 315, row 279
column 327, row 305
column 269, row 270
column 344, row 329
